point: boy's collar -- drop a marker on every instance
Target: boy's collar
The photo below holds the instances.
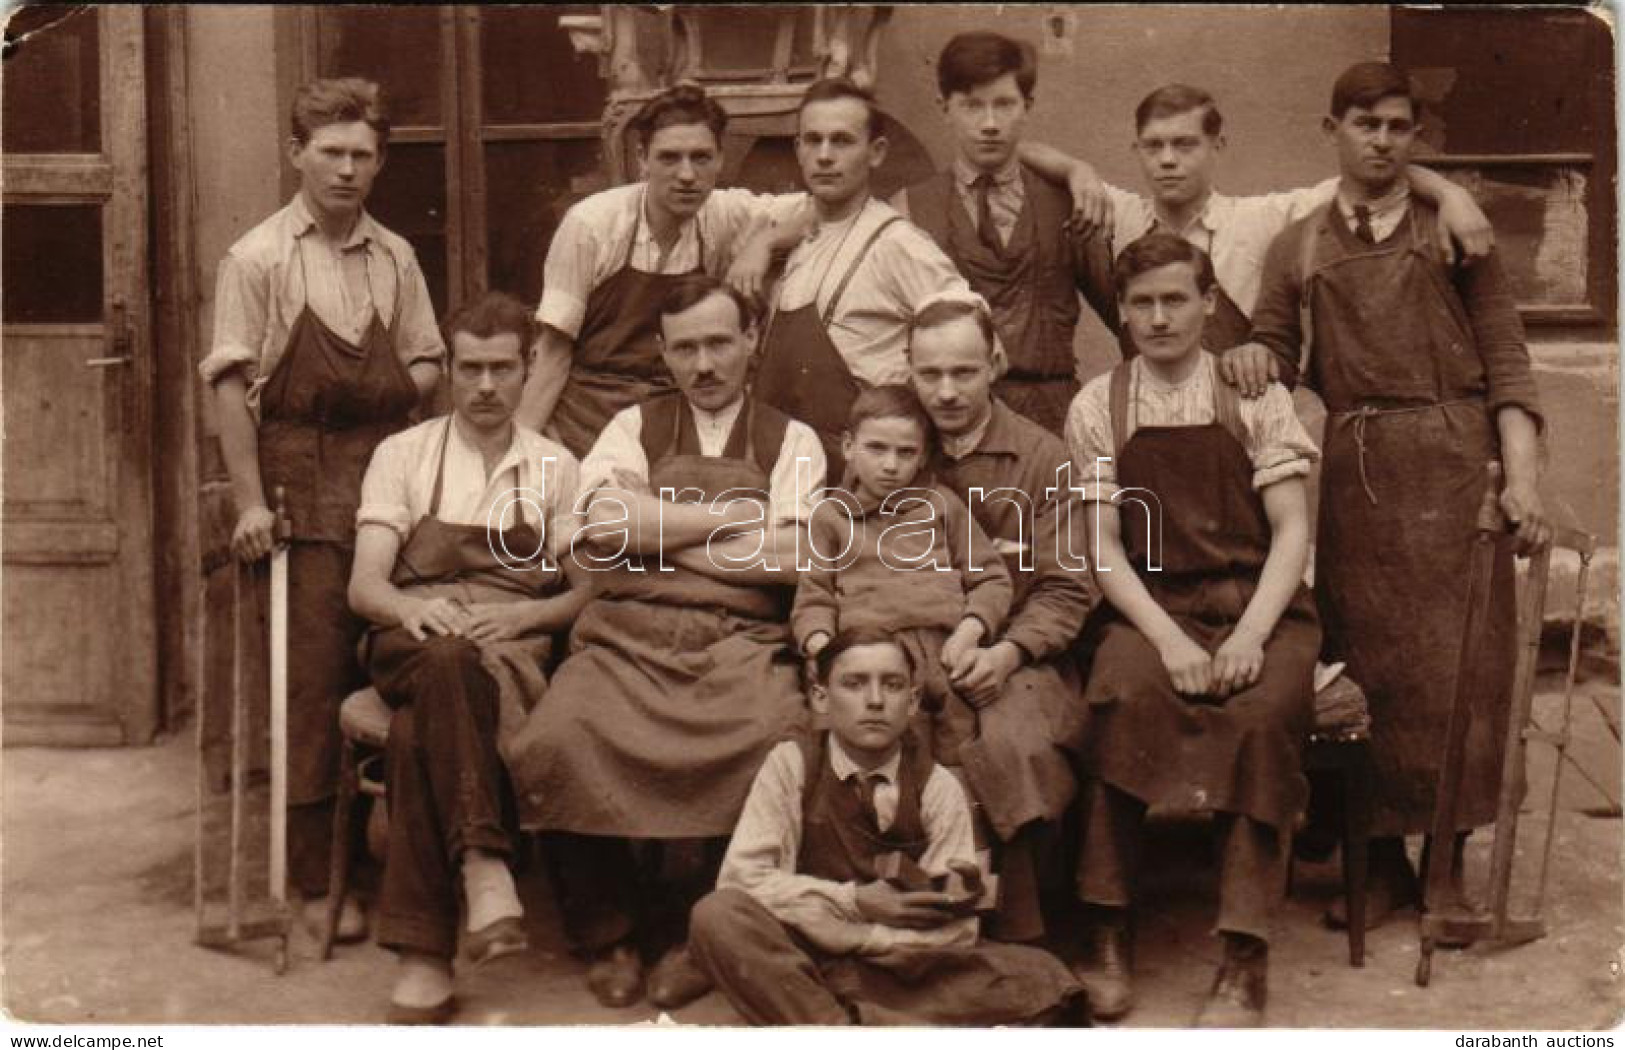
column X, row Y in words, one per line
column 845, row 766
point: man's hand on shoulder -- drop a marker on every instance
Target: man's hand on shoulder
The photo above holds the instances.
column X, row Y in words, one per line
column 983, row 680
column 1250, row 368
column 1464, row 232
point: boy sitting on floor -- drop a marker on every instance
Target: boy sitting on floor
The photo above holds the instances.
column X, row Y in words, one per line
column 893, row 551
column 806, row 927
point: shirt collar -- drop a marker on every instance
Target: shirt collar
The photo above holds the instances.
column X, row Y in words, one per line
column 966, row 174
column 303, row 222
column 958, row 446
column 511, row 458
column 1211, row 218
column 645, row 234
column 722, row 418
column 844, row 768
column 1384, row 206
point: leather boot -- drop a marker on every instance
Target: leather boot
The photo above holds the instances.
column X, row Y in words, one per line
column 1241, row 986
column 1104, row 971
column 615, row 976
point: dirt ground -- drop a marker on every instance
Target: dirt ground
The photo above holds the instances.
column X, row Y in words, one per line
column 98, row 925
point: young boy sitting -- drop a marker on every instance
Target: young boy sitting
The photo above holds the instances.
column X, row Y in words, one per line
column 893, row 551
column 845, row 896
column 1199, row 696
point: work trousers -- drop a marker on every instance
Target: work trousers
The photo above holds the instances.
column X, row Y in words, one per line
column 448, row 789
column 609, row 892
column 1252, row 860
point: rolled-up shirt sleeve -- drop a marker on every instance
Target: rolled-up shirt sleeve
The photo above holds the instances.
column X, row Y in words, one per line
column 1277, row 444
column 567, row 276
column 241, row 311
column 417, row 338
column 1089, row 440
column 384, row 489
column 563, row 484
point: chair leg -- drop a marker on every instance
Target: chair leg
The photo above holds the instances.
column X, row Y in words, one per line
column 1356, row 842
column 338, row 879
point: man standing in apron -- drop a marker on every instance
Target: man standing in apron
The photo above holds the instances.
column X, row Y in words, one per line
column 463, row 525
column 324, row 341
column 1179, row 139
column 1200, row 693
column 1014, row 475
column 1008, row 230
column 842, row 309
column 614, row 258
column 681, row 675
column 1426, row 380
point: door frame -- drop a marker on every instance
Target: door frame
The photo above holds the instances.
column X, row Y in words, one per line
column 115, row 177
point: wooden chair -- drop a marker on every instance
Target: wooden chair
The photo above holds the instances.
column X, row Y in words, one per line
column 364, row 721
column 1342, row 746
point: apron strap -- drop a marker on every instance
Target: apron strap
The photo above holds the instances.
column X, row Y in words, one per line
column 851, row 271
column 1117, row 405
column 637, row 224
column 440, row 471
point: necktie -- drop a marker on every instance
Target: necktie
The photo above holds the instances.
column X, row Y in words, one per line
column 986, row 231
column 1362, row 224
column 867, row 784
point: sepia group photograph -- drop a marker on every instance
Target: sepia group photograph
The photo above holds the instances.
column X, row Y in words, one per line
column 680, row 518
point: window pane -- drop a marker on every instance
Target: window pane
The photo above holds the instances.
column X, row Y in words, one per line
column 529, row 72
column 410, row 198
column 52, row 83
column 51, row 265
column 743, row 38
column 397, row 46
column 529, row 186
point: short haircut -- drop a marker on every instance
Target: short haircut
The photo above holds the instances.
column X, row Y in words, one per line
column 832, row 89
column 691, row 291
column 1171, row 100
column 1367, row 83
column 1156, row 250
column 853, row 638
column 890, row 401
column 492, row 314
column 339, row 101
column 972, row 59
column 682, row 104
column 940, row 312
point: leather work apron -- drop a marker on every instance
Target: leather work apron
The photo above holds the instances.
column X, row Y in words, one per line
column 803, row 374
column 1236, row 755
column 673, row 693
column 1408, row 435
column 324, row 409
column 617, row 362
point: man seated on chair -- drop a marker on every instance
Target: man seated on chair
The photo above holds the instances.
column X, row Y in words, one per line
column 460, row 564
column 681, row 675
column 1200, row 693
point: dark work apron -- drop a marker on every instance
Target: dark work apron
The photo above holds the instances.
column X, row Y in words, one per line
column 803, row 374
column 1408, row 436
column 1240, row 754
column 324, row 409
column 617, row 362
column 461, row 561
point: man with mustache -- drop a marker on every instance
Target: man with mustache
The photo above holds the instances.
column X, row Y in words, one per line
column 682, row 675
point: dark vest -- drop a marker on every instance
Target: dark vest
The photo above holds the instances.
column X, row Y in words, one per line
column 839, row 837
column 1032, row 288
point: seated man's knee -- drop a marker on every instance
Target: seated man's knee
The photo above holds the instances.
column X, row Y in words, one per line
column 446, row 655
column 716, row 916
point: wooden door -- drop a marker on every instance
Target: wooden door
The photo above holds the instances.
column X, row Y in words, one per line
column 79, row 660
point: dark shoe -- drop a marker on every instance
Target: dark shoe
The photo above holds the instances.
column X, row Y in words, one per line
column 438, row 1014
column 676, row 981
column 1242, row 985
column 495, row 940
column 1104, row 971
column 616, row 977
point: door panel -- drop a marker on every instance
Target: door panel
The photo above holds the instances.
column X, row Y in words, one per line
column 75, row 364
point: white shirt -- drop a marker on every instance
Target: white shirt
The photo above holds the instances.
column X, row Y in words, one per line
column 536, row 480
column 1276, row 442
column 1386, row 213
column 901, row 270
column 596, row 234
column 617, row 460
column 1235, row 231
column 761, row 860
